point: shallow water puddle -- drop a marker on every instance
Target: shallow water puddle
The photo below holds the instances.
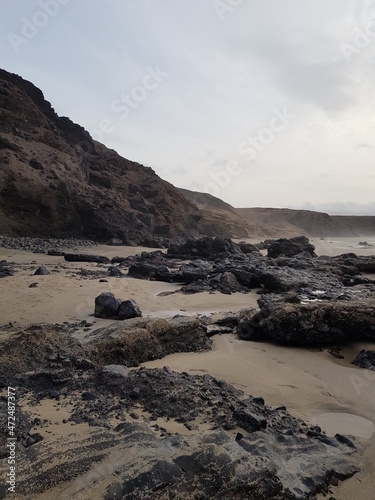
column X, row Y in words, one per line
column 345, row 423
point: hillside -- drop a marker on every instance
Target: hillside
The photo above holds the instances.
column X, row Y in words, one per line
column 220, row 218
column 363, row 225
column 223, row 219
column 290, row 222
column 56, row 181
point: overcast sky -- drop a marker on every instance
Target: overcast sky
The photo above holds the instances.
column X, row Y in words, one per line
column 259, row 102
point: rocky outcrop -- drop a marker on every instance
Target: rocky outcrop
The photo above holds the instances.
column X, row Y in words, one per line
column 308, row 323
column 55, row 180
column 291, row 247
column 140, row 340
column 208, row 247
column 365, row 359
column 234, row 445
column 230, row 271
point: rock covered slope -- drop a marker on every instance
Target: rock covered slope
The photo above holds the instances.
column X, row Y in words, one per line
column 56, row 181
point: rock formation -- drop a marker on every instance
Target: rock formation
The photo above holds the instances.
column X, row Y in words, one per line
column 55, row 180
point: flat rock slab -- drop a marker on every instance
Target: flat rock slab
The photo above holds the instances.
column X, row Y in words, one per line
column 78, row 257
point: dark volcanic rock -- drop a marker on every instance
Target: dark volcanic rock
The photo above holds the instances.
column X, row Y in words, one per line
column 152, row 266
column 4, row 269
column 277, row 457
column 55, row 253
column 291, row 247
column 247, row 247
column 129, row 309
column 210, row 248
column 41, row 271
column 77, row 257
column 115, row 272
column 365, row 359
column 194, row 271
column 323, row 322
column 149, row 270
column 106, row 306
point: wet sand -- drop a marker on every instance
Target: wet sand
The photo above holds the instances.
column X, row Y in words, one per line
column 311, row 384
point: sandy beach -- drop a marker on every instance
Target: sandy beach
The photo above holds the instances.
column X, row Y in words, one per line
column 312, row 384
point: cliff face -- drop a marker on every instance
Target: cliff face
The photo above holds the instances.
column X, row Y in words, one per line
column 56, row 181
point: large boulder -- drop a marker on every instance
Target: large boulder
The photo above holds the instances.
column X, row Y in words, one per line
column 106, row 306
column 129, row 309
column 291, row 247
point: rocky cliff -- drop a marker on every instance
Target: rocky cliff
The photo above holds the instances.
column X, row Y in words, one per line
column 55, row 180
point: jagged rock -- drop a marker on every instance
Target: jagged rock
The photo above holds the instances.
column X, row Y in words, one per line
column 128, row 309
column 106, row 306
column 210, row 248
column 247, row 247
column 55, row 253
column 276, row 456
column 327, row 321
column 115, row 272
column 194, row 271
column 149, row 270
column 76, row 257
column 4, row 270
column 291, row 247
column 365, row 359
column 41, row 271
column 115, row 371
column 146, row 339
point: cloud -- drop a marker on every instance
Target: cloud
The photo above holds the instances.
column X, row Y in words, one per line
column 225, row 79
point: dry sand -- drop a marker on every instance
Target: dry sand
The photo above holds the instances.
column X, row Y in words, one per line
column 311, row 384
